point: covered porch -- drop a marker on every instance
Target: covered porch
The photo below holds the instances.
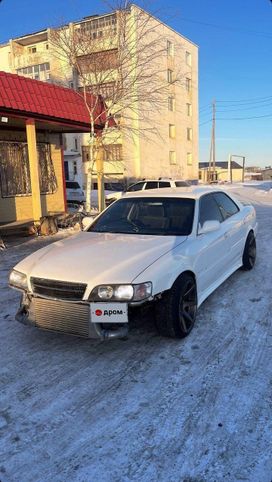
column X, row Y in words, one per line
column 33, row 117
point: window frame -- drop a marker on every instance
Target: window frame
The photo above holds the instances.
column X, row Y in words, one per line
column 205, row 196
column 189, row 109
column 221, row 208
column 135, row 184
column 171, row 103
column 170, row 76
column 189, row 158
column 172, row 161
column 189, row 133
column 188, row 58
column 188, row 84
column 172, row 131
column 170, row 48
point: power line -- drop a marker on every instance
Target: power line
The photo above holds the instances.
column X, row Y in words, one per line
column 230, row 29
column 207, row 106
column 203, row 123
column 244, row 118
column 245, row 108
column 246, row 101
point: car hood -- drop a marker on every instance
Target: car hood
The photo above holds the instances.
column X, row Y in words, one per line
column 98, row 258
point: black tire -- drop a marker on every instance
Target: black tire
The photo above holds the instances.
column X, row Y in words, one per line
column 176, row 310
column 249, row 254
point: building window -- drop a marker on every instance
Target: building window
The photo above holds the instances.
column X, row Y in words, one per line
column 48, row 180
column 75, row 168
column 38, row 72
column 106, row 89
column 76, row 144
column 85, row 153
column 172, row 131
column 189, row 134
column 189, row 159
column 170, row 49
column 32, row 50
column 99, row 27
column 189, row 110
column 171, row 103
column 46, row 46
column 188, row 84
column 170, row 76
column 98, row 61
column 172, row 157
column 113, row 152
column 14, row 169
column 188, row 58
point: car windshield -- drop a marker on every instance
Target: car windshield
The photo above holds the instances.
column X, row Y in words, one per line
column 154, row 216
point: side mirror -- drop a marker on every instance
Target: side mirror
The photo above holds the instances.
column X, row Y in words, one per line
column 209, row 227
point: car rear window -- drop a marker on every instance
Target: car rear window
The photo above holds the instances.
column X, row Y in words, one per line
column 149, row 215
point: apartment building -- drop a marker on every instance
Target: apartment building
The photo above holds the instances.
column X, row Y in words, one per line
column 150, row 84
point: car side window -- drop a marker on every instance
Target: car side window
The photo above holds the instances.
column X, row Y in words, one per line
column 226, row 205
column 164, row 184
column 209, row 210
column 136, row 187
column 151, row 185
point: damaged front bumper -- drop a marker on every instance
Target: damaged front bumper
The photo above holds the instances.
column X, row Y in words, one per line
column 72, row 318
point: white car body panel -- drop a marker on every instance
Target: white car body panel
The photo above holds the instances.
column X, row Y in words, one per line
column 98, row 258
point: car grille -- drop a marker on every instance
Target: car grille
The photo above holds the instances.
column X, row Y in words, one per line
column 60, row 316
column 62, row 290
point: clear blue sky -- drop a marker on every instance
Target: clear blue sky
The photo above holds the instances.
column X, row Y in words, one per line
column 235, row 53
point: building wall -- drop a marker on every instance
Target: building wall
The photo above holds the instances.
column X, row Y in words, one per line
column 144, row 155
column 222, row 175
column 152, row 153
column 19, row 208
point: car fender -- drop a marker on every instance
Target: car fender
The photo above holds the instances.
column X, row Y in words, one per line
column 164, row 272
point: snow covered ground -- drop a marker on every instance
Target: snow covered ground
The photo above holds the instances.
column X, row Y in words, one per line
column 150, row 408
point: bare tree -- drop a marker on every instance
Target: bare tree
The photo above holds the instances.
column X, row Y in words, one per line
column 123, row 57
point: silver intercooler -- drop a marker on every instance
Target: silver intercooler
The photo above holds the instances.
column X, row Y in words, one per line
column 66, row 317
column 70, row 318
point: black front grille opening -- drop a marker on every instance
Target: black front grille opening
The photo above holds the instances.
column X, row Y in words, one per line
column 62, row 290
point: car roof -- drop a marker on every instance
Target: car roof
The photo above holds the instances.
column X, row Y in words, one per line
column 160, row 179
column 191, row 192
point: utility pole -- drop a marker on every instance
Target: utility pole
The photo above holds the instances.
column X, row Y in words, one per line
column 212, row 166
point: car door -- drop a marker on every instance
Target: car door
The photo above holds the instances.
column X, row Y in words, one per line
column 235, row 227
column 211, row 248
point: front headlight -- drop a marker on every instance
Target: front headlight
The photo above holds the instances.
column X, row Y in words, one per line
column 18, row 280
column 135, row 292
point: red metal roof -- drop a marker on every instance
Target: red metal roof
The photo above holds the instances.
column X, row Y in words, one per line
column 43, row 101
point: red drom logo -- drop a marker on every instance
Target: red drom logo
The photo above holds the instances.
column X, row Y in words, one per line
column 98, row 312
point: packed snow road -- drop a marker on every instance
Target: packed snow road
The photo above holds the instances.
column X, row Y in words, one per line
column 150, row 408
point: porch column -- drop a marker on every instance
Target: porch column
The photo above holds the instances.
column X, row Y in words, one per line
column 34, row 170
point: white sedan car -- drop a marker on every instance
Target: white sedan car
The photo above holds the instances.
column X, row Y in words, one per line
column 168, row 247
